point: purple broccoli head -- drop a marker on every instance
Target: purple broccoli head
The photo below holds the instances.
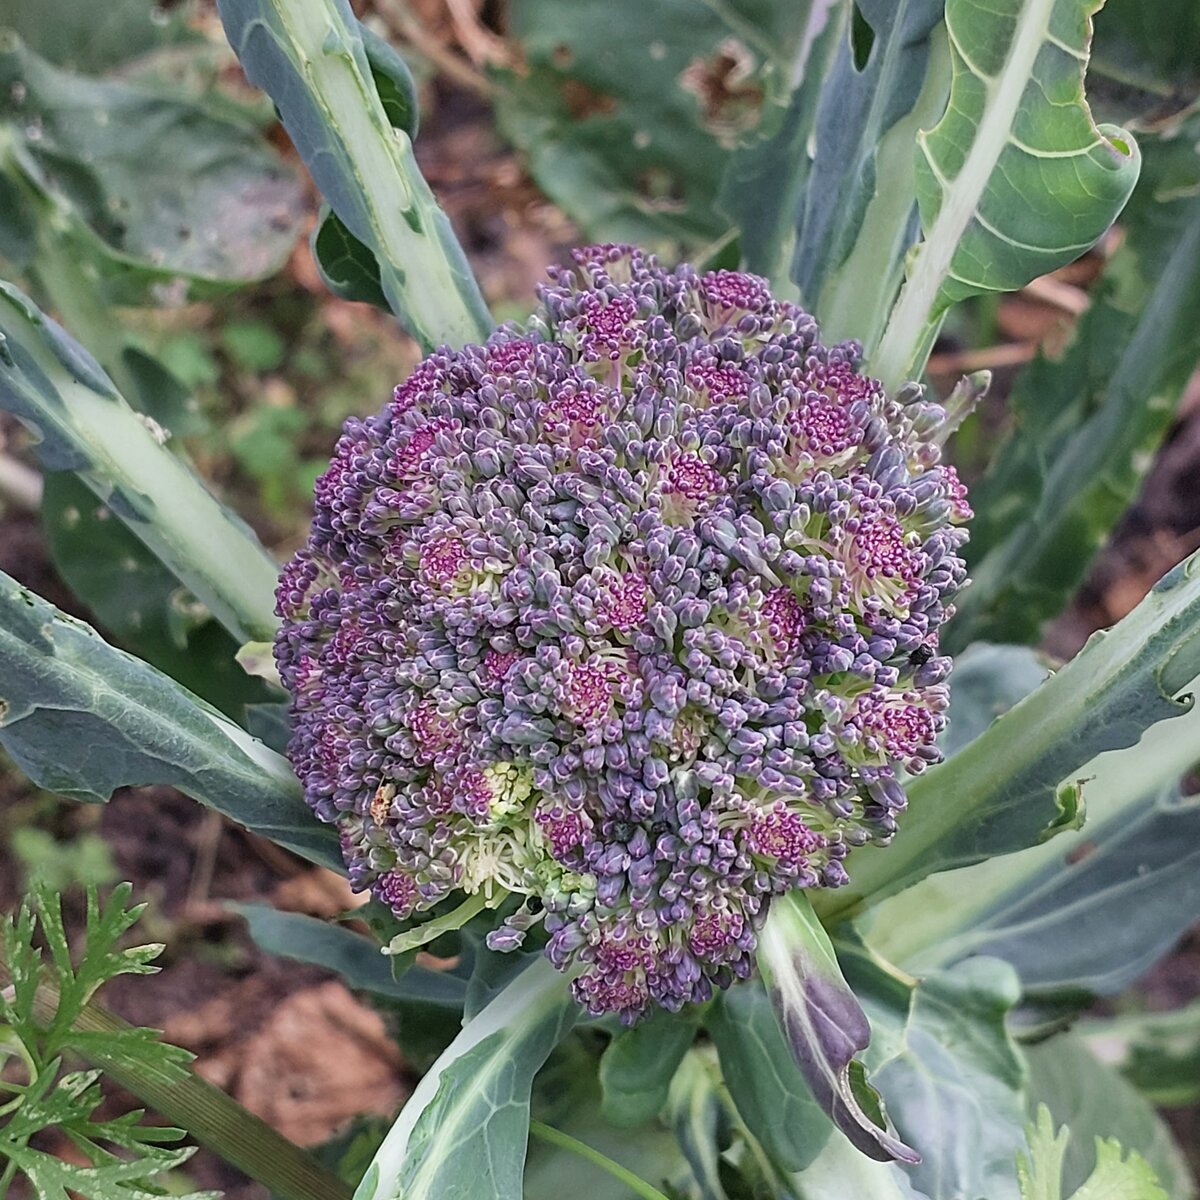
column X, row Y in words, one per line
column 632, row 613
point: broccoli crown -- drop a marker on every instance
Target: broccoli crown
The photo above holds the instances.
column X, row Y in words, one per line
column 631, row 613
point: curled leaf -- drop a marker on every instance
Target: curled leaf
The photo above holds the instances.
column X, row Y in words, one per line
column 824, row 1025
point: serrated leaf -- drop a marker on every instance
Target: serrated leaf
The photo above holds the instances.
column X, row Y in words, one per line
column 463, row 1132
column 824, row 1024
column 311, row 60
column 1020, row 782
column 1096, row 1103
column 45, row 1008
column 58, row 391
column 638, row 1065
column 629, row 111
column 207, row 206
column 128, row 724
column 1079, row 1163
column 1120, row 1176
column 764, row 1081
column 1086, row 424
column 1016, row 179
column 54, row 1178
column 357, row 959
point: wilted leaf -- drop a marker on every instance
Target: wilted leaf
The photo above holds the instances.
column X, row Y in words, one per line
column 141, row 187
column 824, row 1025
column 629, row 111
column 947, row 1068
column 763, row 1079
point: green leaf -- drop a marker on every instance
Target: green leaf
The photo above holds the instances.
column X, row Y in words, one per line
column 1149, row 49
column 94, row 40
column 694, row 1113
column 840, row 1172
column 463, row 1132
column 628, row 112
column 43, row 995
column 1016, row 179
column 1098, row 1106
column 1040, row 1173
column 54, row 1178
column 1158, row 1052
column 638, row 1065
column 764, row 1081
column 310, row 58
column 1118, row 1177
column 858, row 217
column 1087, row 423
column 945, row 1064
column 567, row 1096
column 143, row 188
column 57, row 390
column 137, row 600
column 824, row 1024
column 357, row 959
column 127, row 724
column 348, row 268
column 1089, row 911
column 1019, row 783
column 393, row 81
column 764, row 183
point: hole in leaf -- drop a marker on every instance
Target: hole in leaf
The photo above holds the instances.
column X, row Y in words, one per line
column 583, row 101
column 862, row 38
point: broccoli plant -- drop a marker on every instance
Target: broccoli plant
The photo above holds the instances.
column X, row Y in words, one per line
column 645, row 655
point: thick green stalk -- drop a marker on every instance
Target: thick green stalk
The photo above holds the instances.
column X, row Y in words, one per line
column 309, row 56
column 51, row 384
column 215, row 1120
